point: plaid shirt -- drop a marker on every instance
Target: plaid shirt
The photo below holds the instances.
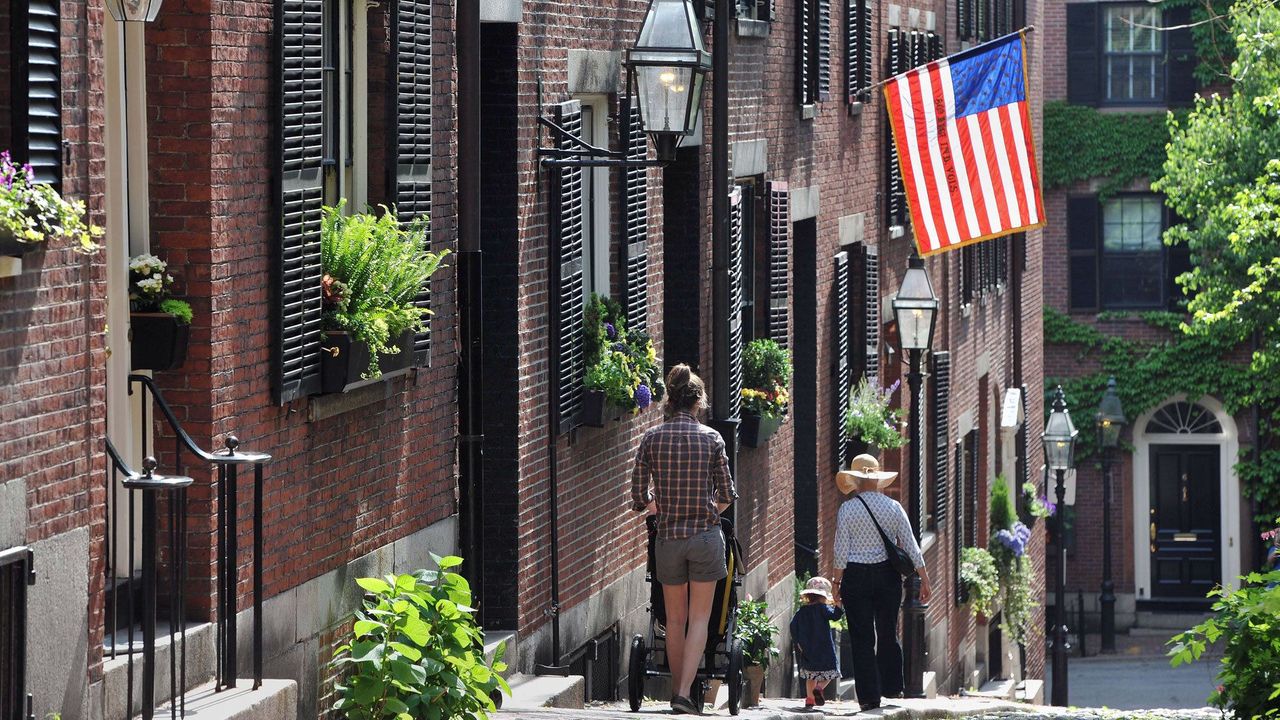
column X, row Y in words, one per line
column 687, row 464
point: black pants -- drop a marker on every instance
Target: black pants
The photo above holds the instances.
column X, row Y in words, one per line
column 872, row 595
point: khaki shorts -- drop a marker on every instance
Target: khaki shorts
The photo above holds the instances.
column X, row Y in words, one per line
column 699, row 558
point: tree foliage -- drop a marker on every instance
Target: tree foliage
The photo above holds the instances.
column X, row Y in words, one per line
column 1222, row 178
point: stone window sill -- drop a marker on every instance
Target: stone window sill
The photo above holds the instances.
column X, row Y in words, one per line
column 748, row 27
column 364, row 393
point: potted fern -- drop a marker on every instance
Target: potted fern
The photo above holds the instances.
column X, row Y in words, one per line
column 159, row 325
column 374, row 269
column 766, row 375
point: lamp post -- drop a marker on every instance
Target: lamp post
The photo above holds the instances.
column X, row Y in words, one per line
column 915, row 309
column 1109, row 419
column 1059, row 453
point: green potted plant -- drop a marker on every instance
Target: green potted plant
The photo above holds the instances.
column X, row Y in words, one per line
column 159, row 325
column 766, row 375
column 623, row 374
column 1008, row 548
column 1035, row 506
column 415, row 651
column 757, row 634
column 979, row 581
column 32, row 212
column 870, row 424
column 374, row 270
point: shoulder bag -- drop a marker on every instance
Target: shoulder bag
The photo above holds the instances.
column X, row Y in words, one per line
column 898, row 558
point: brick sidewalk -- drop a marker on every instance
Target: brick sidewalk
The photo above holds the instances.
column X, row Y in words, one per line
column 788, row 709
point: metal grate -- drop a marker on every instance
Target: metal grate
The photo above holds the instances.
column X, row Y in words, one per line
column 16, row 574
column 597, row 661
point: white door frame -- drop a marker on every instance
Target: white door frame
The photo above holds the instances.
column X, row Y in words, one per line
column 1228, row 443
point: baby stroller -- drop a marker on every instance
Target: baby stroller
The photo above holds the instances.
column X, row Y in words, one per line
column 723, row 657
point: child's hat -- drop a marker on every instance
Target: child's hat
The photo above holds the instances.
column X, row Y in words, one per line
column 818, row 586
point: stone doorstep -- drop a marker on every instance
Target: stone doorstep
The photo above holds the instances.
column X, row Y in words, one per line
column 275, row 700
column 494, row 638
column 996, row 690
column 529, row 692
column 201, row 654
column 1031, row 691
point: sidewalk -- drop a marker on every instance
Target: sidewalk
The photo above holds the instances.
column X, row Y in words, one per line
column 932, row 709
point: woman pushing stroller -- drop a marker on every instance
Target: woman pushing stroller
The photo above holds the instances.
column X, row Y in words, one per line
column 682, row 476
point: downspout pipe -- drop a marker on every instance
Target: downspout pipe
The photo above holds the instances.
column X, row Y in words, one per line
column 470, row 289
column 721, row 312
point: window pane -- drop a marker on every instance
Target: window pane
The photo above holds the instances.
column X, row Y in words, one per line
column 1132, row 280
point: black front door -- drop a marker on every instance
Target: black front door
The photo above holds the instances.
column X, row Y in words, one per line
column 1184, row 528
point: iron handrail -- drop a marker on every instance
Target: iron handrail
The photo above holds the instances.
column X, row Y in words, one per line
column 231, row 456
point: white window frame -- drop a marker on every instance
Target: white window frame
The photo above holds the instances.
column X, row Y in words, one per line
column 349, row 179
column 596, row 241
column 1155, row 55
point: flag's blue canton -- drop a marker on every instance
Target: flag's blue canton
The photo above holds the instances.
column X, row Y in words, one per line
column 990, row 79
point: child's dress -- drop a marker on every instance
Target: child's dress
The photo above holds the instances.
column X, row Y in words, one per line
column 811, row 632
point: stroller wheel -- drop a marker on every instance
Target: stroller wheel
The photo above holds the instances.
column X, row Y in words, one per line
column 733, row 677
column 698, row 693
column 636, row 673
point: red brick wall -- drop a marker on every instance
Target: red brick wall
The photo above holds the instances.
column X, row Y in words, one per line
column 337, row 488
column 52, row 345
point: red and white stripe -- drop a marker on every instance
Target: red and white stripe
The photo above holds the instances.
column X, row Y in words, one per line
column 966, row 179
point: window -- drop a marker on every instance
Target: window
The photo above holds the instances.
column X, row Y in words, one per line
column 756, row 9
column 1117, row 258
column 1119, row 55
column 354, row 114
column 814, row 56
column 984, row 267
column 595, row 201
column 755, row 269
column 15, row 575
column 905, row 49
column 1132, row 45
column 982, row 20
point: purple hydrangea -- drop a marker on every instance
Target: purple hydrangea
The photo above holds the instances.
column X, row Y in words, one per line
column 618, row 347
column 1015, row 539
column 610, row 331
column 1049, row 505
column 643, row 396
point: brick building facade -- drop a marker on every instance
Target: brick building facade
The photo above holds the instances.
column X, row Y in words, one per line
column 1180, row 523
column 211, row 137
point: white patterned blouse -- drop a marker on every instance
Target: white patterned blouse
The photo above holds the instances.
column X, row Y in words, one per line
column 856, row 538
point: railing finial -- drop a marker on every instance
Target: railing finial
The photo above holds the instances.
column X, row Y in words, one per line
column 232, row 442
column 149, row 465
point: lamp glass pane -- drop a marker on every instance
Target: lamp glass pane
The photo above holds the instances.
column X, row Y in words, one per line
column 668, row 26
column 663, row 92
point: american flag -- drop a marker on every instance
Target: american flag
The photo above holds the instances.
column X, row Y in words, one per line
column 963, row 135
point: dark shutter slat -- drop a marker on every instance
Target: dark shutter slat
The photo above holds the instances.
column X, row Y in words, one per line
column 941, row 410
column 824, row 50
column 895, row 200
column 1180, row 57
column 412, row 54
column 962, row 20
column 851, row 31
column 1083, row 76
column 871, row 296
column 957, row 534
column 37, row 89
column 1082, row 229
column 936, row 52
column 779, row 262
column 635, row 203
column 569, row 301
column 804, row 58
column 736, row 208
column 866, row 58
column 843, row 371
column 301, row 188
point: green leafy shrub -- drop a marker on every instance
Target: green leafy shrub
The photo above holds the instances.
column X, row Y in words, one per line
column 374, row 269
column 620, row 363
column 1248, row 621
column 34, row 212
column 869, row 417
column 766, row 376
column 757, row 633
column 416, row 652
column 980, row 579
column 149, row 283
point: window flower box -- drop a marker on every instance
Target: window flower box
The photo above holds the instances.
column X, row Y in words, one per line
column 345, row 360
column 756, row 430
column 157, row 341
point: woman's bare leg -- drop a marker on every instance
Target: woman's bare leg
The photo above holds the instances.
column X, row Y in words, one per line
column 676, row 599
column 701, row 595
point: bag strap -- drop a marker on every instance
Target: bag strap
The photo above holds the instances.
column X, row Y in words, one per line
column 883, row 535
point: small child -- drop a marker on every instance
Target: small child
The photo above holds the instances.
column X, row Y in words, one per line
column 811, row 633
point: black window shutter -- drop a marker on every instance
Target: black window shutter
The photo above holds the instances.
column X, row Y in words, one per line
column 843, row 370
column 635, row 204
column 866, row 30
column 935, row 47
column 964, row 21
column 1083, row 76
column 871, row 326
column 37, row 88
column 941, row 411
column 1180, row 57
column 412, row 53
column 300, row 48
column 779, row 262
column 958, row 533
column 895, row 198
column 736, row 208
column 806, row 45
column 824, row 50
column 1082, row 229
column 567, row 239
column 971, row 488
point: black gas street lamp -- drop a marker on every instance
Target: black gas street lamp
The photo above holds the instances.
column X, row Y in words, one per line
column 1110, row 420
column 1059, row 455
column 915, row 309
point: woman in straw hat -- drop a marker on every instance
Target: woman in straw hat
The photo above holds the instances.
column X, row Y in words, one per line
column 870, row 588
column 682, row 476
